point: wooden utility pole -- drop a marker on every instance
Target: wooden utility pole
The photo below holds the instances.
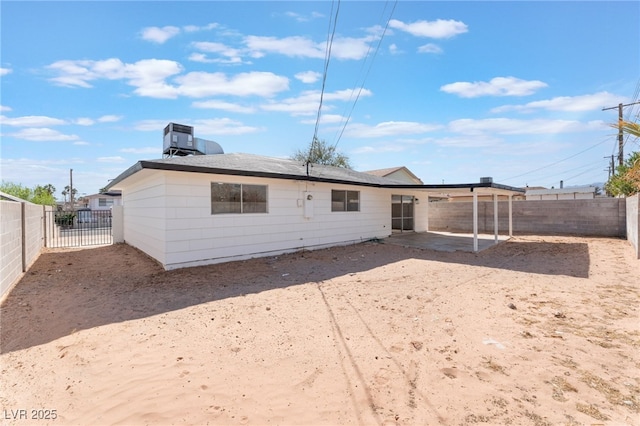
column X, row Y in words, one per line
column 620, row 133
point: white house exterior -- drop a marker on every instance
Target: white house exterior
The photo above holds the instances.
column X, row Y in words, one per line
column 103, row 201
column 188, row 211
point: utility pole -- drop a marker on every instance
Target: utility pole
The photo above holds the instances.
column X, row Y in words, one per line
column 620, row 134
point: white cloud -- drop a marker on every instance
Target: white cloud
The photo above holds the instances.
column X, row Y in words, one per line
column 109, row 118
column 224, row 106
column 194, row 28
column 297, row 46
column 231, row 54
column 506, row 126
column 115, row 159
column 147, row 75
column 31, row 121
column 41, row 134
column 498, row 86
column 5, row 108
column 81, row 143
column 201, row 84
column 159, row 35
column 389, row 128
column 216, row 126
column 590, row 102
column 83, row 121
column 307, row 103
column 304, row 18
column 429, row 48
column 5, row 71
column 308, row 76
column 326, row 119
column 433, row 29
column 379, row 149
column 145, row 150
column 393, row 49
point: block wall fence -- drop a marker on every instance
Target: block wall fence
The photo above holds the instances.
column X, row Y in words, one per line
column 600, row 217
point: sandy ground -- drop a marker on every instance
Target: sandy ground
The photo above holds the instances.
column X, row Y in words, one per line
column 535, row 331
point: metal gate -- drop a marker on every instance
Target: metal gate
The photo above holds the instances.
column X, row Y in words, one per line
column 77, row 228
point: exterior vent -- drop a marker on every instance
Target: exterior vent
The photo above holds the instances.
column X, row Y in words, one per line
column 486, row 180
column 178, row 140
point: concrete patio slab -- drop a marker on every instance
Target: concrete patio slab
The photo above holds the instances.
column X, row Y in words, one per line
column 444, row 241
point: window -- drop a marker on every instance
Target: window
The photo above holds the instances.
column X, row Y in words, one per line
column 104, row 202
column 238, row 198
column 345, row 201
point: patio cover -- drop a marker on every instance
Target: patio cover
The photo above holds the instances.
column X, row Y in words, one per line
column 476, row 189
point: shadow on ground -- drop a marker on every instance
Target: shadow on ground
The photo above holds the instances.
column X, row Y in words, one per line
column 67, row 291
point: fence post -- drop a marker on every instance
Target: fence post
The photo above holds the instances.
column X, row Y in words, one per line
column 23, row 221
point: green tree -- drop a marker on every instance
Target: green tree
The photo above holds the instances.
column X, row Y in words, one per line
column 38, row 195
column 626, row 180
column 319, row 152
column 44, row 195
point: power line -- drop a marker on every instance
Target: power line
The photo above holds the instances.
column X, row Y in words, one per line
column 375, row 53
column 330, row 35
column 553, row 164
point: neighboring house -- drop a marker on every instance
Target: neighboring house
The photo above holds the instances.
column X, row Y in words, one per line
column 204, row 209
column 401, row 174
column 103, row 201
column 572, row 193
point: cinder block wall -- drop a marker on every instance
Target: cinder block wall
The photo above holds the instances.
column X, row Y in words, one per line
column 605, row 217
column 11, row 239
column 633, row 219
column 10, row 244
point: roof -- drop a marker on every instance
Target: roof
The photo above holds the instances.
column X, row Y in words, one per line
column 9, row 197
column 391, row 170
column 278, row 168
column 570, row 190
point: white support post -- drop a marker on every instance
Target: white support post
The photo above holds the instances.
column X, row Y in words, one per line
column 426, row 212
column 510, row 216
column 475, row 221
column 495, row 218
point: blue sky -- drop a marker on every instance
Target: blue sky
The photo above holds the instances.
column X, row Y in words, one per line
column 453, row 90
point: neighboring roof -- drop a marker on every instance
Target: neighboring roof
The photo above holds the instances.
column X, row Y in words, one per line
column 570, row 190
column 8, row 197
column 114, row 193
column 392, row 170
column 279, row 168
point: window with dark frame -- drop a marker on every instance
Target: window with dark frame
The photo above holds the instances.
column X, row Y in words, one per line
column 238, row 198
column 345, row 201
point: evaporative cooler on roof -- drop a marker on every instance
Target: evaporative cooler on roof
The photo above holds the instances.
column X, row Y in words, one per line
column 179, row 140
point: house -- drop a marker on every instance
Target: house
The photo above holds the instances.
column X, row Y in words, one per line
column 103, row 200
column 204, row 209
column 397, row 173
column 571, row 193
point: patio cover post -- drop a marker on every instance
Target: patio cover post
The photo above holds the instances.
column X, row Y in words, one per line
column 426, row 212
column 510, row 216
column 475, row 221
column 495, row 218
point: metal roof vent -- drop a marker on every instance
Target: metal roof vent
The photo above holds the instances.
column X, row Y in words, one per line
column 179, row 140
column 486, row 180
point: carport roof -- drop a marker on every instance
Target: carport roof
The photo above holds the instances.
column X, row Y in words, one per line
column 278, row 168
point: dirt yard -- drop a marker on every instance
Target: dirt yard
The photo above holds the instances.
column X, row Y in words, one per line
column 535, row 331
